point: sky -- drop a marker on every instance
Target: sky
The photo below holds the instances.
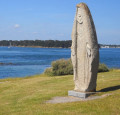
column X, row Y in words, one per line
column 53, row 19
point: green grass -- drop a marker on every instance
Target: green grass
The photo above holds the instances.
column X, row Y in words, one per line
column 26, row 96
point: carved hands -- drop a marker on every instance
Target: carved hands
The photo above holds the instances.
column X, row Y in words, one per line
column 88, row 48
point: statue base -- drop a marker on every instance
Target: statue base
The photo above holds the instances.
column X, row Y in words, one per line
column 82, row 95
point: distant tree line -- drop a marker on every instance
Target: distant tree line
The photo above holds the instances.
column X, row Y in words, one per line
column 109, row 46
column 46, row 43
column 37, row 43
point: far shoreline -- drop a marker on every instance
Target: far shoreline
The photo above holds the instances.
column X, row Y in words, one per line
column 38, row 47
column 57, row 47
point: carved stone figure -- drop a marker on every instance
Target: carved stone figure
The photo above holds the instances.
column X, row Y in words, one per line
column 84, row 50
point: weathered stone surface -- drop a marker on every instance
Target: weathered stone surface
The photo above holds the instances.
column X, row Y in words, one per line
column 84, row 50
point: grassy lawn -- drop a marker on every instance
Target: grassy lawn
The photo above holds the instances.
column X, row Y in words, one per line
column 26, row 96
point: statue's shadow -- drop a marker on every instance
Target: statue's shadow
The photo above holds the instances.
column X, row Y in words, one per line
column 113, row 88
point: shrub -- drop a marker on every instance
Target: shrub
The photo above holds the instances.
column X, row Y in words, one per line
column 64, row 67
column 49, row 71
column 60, row 67
column 103, row 68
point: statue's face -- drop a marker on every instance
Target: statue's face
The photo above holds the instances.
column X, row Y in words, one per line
column 79, row 17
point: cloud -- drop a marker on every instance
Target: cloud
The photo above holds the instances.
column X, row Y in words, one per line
column 60, row 34
column 16, row 26
column 35, row 33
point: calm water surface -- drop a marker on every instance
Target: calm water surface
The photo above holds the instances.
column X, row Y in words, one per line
column 21, row 62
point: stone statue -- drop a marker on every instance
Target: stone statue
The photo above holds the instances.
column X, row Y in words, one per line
column 84, row 50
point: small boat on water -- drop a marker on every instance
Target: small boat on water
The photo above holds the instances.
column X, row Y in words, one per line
column 10, row 45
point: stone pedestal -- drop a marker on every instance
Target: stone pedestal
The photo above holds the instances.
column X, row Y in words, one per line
column 82, row 95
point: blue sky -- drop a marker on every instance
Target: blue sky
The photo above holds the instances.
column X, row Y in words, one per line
column 53, row 19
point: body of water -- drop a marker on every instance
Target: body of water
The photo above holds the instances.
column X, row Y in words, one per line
column 22, row 61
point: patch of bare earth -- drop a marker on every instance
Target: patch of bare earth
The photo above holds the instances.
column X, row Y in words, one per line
column 68, row 99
